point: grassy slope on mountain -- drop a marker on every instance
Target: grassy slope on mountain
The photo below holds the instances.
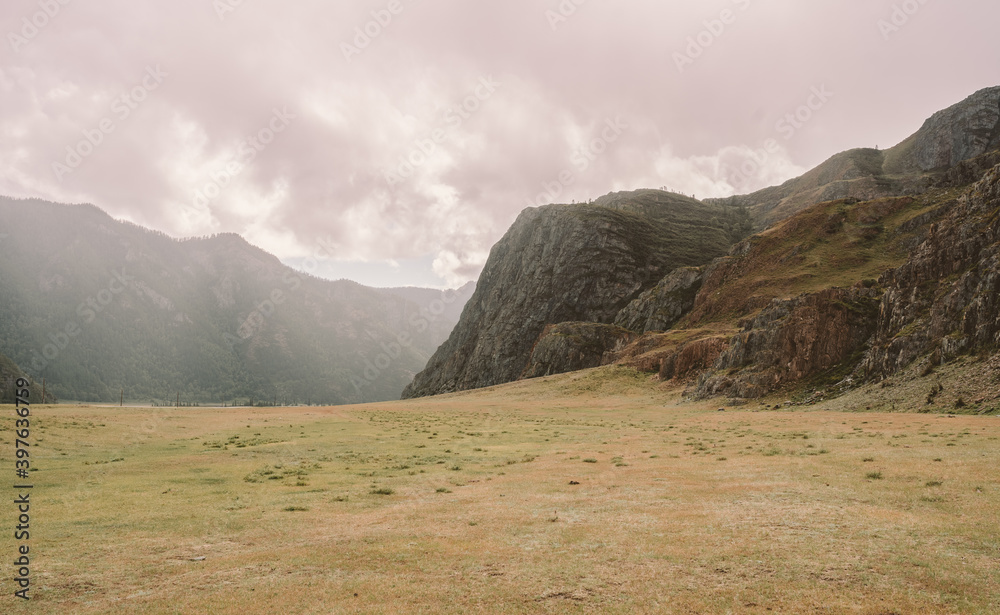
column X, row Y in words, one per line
column 962, row 132
column 838, row 243
column 855, row 173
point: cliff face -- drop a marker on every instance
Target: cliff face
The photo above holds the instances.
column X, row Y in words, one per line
column 660, row 307
column 572, row 346
column 946, row 298
column 793, row 339
column 943, row 301
column 562, row 263
column 961, row 132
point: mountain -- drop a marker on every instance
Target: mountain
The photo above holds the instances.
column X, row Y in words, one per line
column 958, row 134
column 96, row 305
column 561, row 263
column 867, row 267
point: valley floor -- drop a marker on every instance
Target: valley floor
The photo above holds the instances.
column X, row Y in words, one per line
column 593, row 492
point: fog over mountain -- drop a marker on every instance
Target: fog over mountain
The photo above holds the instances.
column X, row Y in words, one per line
column 102, row 308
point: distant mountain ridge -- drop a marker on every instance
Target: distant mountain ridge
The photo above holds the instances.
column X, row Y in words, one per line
column 96, row 305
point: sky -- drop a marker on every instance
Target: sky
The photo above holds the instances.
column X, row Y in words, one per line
column 393, row 142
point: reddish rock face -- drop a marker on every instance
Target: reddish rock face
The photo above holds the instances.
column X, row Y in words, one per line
column 793, row 339
column 692, row 359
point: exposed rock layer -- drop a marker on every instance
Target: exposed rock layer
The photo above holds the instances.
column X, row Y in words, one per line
column 793, row 339
column 572, row 346
column 947, row 296
column 660, row 307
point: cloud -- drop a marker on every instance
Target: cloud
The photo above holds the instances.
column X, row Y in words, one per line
column 452, row 117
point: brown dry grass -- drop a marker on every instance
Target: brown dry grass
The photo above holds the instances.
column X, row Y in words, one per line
column 686, row 510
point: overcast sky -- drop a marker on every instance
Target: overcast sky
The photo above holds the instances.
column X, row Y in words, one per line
column 397, row 140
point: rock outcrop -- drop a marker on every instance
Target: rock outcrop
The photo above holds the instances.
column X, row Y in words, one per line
column 946, row 298
column 660, row 307
column 692, row 359
column 572, row 346
column 943, row 301
column 572, row 263
column 961, row 132
column 793, row 339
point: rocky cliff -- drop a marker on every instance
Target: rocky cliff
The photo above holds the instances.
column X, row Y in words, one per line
column 961, row 132
column 792, row 339
column 946, row 298
column 660, row 307
column 563, row 263
column 572, row 346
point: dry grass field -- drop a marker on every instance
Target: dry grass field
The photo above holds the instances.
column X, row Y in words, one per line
column 594, row 492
